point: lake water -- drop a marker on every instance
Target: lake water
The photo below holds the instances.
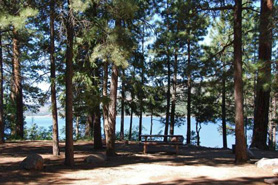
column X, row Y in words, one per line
column 209, row 134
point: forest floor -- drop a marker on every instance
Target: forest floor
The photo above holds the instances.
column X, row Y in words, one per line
column 194, row 165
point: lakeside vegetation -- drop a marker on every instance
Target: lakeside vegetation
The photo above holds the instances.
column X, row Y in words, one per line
column 140, row 57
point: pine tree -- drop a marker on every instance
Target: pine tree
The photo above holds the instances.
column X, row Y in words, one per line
column 264, row 76
column 53, row 81
column 69, row 155
column 241, row 151
column 13, row 18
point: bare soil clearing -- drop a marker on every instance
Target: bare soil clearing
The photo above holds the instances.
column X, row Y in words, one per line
column 193, row 165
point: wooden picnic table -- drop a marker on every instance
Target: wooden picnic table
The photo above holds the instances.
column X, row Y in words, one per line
column 175, row 140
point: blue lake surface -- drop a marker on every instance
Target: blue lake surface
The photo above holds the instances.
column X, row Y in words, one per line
column 209, row 134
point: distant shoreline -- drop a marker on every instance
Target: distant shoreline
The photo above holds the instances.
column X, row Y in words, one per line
column 49, row 115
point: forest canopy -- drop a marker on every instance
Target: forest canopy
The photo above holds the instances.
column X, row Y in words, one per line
column 173, row 59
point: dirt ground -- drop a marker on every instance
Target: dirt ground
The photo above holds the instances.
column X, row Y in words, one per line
column 193, row 165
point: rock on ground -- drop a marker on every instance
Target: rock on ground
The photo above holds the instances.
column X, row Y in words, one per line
column 267, row 163
column 271, row 181
column 32, row 162
column 96, row 158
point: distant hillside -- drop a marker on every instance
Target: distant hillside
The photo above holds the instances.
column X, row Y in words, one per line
column 44, row 111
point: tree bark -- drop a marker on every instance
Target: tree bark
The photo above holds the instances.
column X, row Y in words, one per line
column 55, row 135
column 123, row 106
column 112, row 112
column 270, row 124
column 90, row 125
column 130, row 124
column 1, row 93
column 77, row 127
column 174, row 95
column 97, row 129
column 142, row 83
column 69, row 151
column 168, row 98
column 151, row 129
column 168, row 79
column 188, row 135
column 104, row 94
column 241, row 148
column 223, row 109
column 263, row 94
column 17, row 90
column 198, row 129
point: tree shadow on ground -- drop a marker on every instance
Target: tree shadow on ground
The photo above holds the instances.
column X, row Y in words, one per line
column 206, row 180
column 10, row 173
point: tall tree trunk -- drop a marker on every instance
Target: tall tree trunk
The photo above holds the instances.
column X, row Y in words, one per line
column 97, row 128
column 87, row 127
column 168, row 78
column 140, row 118
column 223, row 109
column 188, row 135
column 1, row 93
column 104, row 94
column 130, row 124
column 263, row 94
column 142, row 83
column 90, row 125
column 168, row 98
column 112, row 112
column 241, row 148
column 275, row 111
column 151, row 129
column 123, row 106
column 174, row 94
column 198, row 129
column 77, row 127
column 270, row 124
column 18, row 97
column 55, row 147
column 69, row 151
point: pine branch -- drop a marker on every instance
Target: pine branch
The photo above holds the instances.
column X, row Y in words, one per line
column 222, row 50
column 228, row 7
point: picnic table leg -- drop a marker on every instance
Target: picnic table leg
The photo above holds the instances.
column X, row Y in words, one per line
column 145, row 149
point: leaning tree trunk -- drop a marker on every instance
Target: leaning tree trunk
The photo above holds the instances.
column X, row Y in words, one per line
column 241, row 148
column 17, row 89
column 263, row 81
column 112, row 112
column 55, row 146
column 69, row 155
column 1, row 93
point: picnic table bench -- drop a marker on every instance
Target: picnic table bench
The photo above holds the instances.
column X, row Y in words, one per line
column 175, row 140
